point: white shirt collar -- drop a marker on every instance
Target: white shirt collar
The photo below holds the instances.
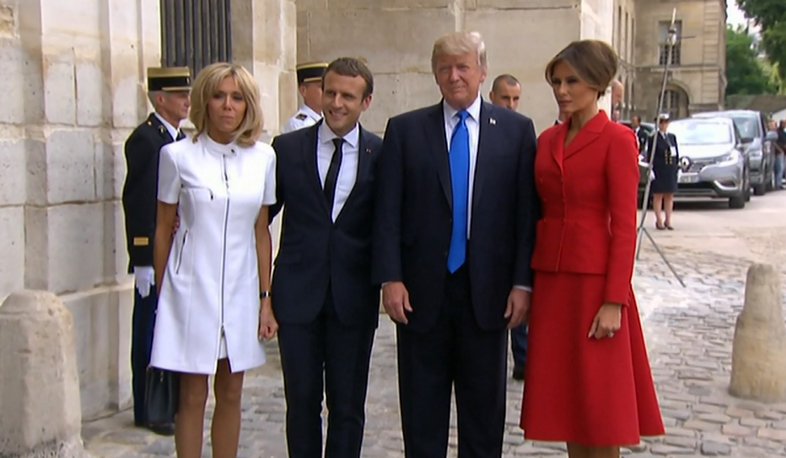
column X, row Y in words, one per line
column 473, row 110
column 169, row 127
column 326, row 135
column 311, row 113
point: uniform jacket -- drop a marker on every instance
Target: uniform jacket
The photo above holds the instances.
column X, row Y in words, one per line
column 139, row 191
column 662, row 155
column 316, row 254
column 413, row 224
column 589, row 195
column 305, row 117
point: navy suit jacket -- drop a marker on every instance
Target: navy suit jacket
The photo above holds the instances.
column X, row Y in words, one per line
column 413, row 217
column 318, row 255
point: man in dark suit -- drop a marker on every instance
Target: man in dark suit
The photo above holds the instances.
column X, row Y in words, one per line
column 641, row 134
column 506, row 92
column 453, row 237
column 323, row 298
column 168, row 91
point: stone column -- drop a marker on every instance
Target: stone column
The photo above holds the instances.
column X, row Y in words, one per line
column 73, row 74
column 395, row 38
column 39, row 385
column 758, row 360
column 263, row 41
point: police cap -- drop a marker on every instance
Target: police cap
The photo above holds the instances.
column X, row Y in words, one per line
column 168, row 79
column 309, row 72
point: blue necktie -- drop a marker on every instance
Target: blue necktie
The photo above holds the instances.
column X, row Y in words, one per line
column 459, row 178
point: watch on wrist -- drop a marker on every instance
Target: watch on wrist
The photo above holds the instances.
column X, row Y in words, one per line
column 264, row 294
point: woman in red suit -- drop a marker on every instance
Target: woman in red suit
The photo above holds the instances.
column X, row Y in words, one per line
column 589, row 382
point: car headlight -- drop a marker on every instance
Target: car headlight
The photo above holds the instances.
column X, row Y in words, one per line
column 729, row 158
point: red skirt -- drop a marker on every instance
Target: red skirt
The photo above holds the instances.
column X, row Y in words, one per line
column 584, row 390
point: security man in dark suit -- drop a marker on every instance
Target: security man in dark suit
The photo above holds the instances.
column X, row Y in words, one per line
column 169, row 93
column 323, row 298
column 641, row 133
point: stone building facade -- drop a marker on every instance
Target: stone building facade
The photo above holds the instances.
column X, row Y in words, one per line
column 73, row 75
column 698, row 59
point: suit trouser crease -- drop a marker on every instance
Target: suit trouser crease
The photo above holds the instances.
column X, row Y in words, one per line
column 325, row 355
column 143, row 322
column 454, row 352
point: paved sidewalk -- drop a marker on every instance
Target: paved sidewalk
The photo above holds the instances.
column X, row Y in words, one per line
column 689, row 334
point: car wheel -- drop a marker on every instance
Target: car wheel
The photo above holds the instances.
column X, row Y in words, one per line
column 760, row 189
column 737, row 202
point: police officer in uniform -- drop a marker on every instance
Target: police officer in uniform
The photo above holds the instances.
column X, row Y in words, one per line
column 169, row 92
column 309, row 79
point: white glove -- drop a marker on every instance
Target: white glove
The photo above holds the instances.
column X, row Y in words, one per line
column 144, row 279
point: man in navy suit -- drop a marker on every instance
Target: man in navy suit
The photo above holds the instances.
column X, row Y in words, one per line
column 453, row 237
column 323, row 298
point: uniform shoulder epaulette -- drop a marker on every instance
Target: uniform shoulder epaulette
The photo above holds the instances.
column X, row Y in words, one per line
column 301, row 116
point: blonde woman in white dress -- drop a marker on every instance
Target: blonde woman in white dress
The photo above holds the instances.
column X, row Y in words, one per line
column 213, row 276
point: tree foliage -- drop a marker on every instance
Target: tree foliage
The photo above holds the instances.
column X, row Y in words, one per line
column 770, row 15
column 744, row 73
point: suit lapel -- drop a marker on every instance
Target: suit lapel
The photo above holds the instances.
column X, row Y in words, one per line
column 310, row 148
column 486, row 134
column 435, row 135
column 587, row 135
column 161, row 128
column 558, row 145
column 364, row 160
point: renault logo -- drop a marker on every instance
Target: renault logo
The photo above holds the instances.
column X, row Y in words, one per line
column 685, row 163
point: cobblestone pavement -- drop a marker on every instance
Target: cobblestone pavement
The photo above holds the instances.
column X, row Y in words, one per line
column 689, row 333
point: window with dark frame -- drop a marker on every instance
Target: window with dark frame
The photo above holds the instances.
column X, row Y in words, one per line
column 663, row 45
column 195, row 33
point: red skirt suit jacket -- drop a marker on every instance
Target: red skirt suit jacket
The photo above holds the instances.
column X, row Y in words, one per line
column 592, row 229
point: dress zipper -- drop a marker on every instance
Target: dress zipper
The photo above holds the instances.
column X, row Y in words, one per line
column 224, row 254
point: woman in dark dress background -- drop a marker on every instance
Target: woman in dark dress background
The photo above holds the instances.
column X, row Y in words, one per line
column 665, row 162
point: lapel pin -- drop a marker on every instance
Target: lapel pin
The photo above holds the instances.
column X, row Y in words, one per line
column 492, row 121
column 368, row 150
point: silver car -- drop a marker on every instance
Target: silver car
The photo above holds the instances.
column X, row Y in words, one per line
column 712, row 161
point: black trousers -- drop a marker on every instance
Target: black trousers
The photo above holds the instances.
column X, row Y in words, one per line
column 142, row 323
column 339, row 353
column 456, row 353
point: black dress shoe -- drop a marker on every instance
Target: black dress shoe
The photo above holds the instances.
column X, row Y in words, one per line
column 163, row 429
column 518, row 373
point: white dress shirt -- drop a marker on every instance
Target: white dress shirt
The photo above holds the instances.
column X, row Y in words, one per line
column 473, row 126
column 347, row 174
column 173, row 131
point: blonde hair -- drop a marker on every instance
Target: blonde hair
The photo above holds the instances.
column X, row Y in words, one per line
column 457, row 43
column 206, row 85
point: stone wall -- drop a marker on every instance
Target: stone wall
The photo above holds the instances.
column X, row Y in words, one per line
column 395, row 38
column 73, row 79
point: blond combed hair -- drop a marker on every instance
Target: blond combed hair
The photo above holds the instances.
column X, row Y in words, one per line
column 206, row 85
column 457, row 43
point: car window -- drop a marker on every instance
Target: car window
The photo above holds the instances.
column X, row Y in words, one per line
column 748, row 126
column 701, row 132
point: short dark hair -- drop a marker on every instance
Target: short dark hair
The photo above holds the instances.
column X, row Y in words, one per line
column 595, row 62
column 510, row 80
column 635, row 117
column 350, row 66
